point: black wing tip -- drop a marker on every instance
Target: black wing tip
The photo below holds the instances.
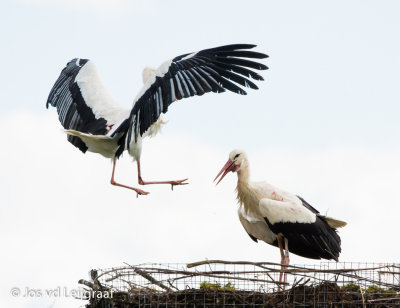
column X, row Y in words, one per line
column 261, row 55
column 238, row 47
column 241, row 54
column 78, row 62
column 233, row 47
column 247, row 46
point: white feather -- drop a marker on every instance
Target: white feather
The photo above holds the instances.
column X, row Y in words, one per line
column 97, row 97
column 256, row 226
column 147, row 72
column 285, row 211
column 103, row 145
column 160, row 72
column 135, row 148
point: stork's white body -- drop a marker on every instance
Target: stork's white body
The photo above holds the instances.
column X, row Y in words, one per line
column 258, row 200
column 104, row 105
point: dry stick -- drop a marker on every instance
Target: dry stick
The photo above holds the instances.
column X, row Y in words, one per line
column 361, row 291
column 190, row 265
column 183, row 272
column 86, row 283
column 93, row 286
column 114, row 277
column 362, row 297
column 234, row 278
column 149, row 278
column 298, row 268
column 113, row 270
column 377, row 282
column 383, row 299
column 388, row 272
column 169, row 271
column 172, row 285
column 133, row 285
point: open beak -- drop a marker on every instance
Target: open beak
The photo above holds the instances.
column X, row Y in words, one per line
column 229, row 166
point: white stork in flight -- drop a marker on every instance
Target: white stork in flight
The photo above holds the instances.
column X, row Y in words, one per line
column 95, row 122
column 280, row 218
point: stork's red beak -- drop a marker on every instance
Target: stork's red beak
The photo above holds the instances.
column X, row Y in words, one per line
column 229, row 166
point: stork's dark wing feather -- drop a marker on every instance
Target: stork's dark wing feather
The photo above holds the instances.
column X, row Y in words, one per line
column 252, row 237
column 308, row 205
column 313, row 240
column 210, row 70
column 73, row 111
column 310, row 240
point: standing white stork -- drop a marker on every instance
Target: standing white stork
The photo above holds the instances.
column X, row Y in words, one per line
column 95, row 122
column 280, row 218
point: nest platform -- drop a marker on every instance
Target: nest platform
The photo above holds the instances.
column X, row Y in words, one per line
column 218, row 283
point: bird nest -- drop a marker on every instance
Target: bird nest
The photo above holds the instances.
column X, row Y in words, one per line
column 215, row 283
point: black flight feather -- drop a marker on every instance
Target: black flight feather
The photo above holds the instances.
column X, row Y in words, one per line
column 215, row 69
column 72, row 109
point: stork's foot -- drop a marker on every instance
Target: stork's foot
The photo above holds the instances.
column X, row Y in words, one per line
column 140, row 192
column 179, row 182
column 172, row 183
column 137, row 190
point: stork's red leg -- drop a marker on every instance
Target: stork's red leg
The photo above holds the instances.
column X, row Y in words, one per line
column 286, row 258
column 113, row 182
column 172, row 183
column 279, row 238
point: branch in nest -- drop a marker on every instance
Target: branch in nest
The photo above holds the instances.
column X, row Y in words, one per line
column 149, row 278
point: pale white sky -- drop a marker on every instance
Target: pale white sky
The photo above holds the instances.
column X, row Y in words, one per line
column 323, row 125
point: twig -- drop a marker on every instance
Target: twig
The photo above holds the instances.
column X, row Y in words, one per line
column 86, row 283
column 149, row 278
column 294, row 268
column 383, row 299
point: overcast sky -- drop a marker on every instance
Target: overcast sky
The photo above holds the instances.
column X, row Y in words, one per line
column 324, row 125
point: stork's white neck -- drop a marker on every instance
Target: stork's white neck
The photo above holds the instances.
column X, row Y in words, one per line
column 246, row 194
column 244, row 173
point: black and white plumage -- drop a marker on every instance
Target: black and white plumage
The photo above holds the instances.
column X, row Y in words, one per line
column 280, row 218
column 95, row 122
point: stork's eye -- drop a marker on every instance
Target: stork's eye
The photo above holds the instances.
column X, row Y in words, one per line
column 236, row 156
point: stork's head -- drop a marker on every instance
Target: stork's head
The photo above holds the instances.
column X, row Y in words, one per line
column 236, row 162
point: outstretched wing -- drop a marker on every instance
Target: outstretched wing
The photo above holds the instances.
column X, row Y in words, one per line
column 82, row 103
column 210, row 70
